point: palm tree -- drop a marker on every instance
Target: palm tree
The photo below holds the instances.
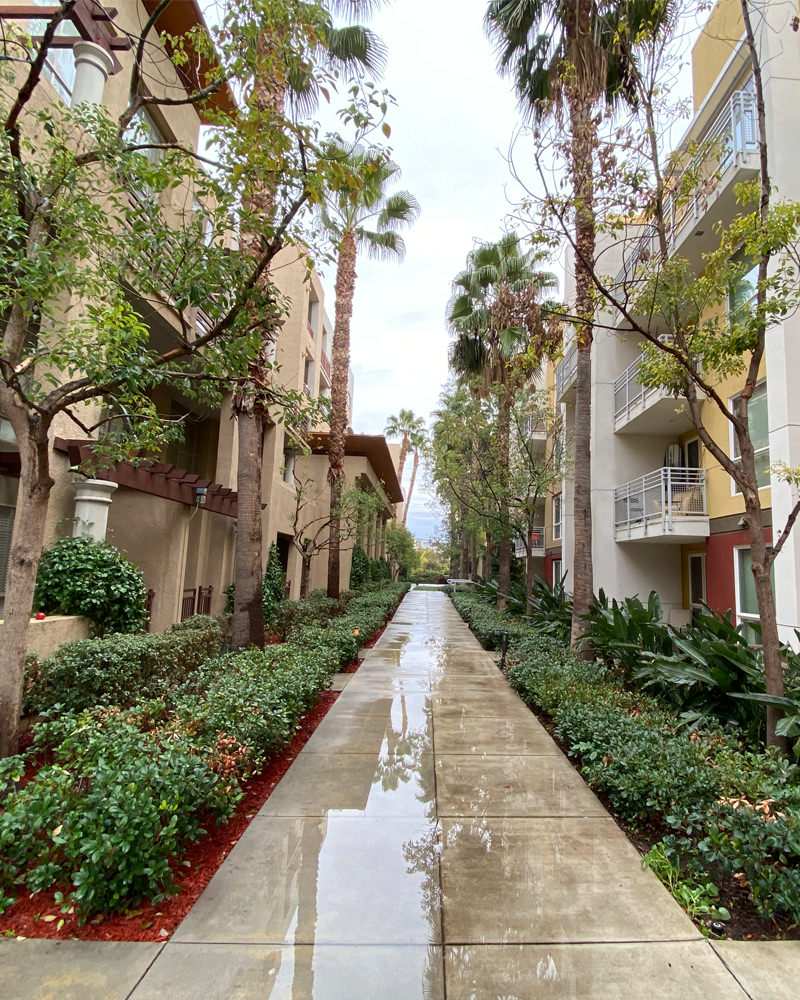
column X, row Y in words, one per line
column 403, row 425
column 358, row 200
column 417, row 440
column 573, row 53
column 287, row 80
column 495, row 315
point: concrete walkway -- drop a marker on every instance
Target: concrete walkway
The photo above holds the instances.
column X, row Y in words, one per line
column 429, row 841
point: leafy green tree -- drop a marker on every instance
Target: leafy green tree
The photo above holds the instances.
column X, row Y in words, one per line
column 403, row 426
column 401, row 550
column 359, row 179
column 501, row 331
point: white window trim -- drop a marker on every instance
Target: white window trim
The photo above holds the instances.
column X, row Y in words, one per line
column 732, row 442
column 558, row 524
column 741, row 616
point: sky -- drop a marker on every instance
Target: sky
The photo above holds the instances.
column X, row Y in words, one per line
column 451, row 129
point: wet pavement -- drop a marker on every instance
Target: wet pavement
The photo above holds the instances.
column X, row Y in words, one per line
column 429, row 841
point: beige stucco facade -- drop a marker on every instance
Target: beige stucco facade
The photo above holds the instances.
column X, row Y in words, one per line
column 184, row 549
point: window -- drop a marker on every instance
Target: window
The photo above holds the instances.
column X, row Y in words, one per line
column 557, row 517
column 6, row 526
column 697, row 583
column 308, row 376
column 759, row 432
column 59, row 67
column 693, row 451
column 558, row 574
column 288, row 466
column 742, row 291
column 746, row 601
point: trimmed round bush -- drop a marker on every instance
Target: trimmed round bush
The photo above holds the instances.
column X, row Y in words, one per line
column 79, row 576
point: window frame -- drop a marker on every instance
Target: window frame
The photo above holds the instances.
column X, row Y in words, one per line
column 557, row 504
column 733, row 444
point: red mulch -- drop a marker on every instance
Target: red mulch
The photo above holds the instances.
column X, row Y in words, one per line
column 378, row 634
column 39, row 916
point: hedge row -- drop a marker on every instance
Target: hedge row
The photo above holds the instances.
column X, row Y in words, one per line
column 731, row 811
column 127, row 786
column 120, row 669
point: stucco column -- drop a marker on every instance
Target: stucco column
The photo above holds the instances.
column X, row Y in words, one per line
column 92, row 500
column 92, row 67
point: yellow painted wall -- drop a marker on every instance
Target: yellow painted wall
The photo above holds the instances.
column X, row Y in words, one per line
column 714, row 47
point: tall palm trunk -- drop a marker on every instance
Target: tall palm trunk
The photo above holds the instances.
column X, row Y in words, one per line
column 345, row 286
column 248, row 565
column 503, row 449
column 248, row 618
column 35, row 484
column 583, row 144
column 407, row 504
column 401, row 461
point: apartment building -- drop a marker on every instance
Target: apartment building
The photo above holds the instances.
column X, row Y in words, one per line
column 666, row 516
column 176, row 517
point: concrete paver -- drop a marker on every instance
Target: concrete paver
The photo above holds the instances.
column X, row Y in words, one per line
column 430, row 840
column 72, row 970
column 767, row 970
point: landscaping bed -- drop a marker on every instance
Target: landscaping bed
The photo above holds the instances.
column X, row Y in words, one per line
column 116, row 791
column 716, row 816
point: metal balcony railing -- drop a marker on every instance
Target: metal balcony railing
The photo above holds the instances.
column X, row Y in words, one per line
column 630, row 395
column 660, row 499
column 325, row 363
column 566, row 370
column 735, row 134
column 537, row 543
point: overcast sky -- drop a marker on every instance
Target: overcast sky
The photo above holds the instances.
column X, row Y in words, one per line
column 450, row 131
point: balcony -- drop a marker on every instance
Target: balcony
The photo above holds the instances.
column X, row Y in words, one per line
column 566, row 373
column 537, row 543
column 325, row 366
column 734, row 135
column 310, row 330
column 641, row 409
column 668, row 505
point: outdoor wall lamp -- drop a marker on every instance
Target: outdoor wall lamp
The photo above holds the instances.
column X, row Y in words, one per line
column 200, row 495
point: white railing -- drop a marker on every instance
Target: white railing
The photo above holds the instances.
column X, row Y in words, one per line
column 659, row 499
column 537, row 543
column 566, row 370
column 735, row 133
column 630, row 394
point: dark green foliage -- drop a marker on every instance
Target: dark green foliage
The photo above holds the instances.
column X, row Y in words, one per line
column 127, row 788
column 78, row 576
column 359, row 568
column 273, row 583
column 317, row 609
column 121, row 669
column 732, row 809
column 104, row 818
column 493, row 628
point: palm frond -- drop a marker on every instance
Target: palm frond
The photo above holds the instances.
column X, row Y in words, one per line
column 354, row 47
column 400, row 209
column 381, row 246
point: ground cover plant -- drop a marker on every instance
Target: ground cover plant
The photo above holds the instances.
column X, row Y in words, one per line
column 717, row 814
column 110, row 794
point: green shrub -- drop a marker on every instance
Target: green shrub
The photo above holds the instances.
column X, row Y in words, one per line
column 619, row 632
column 121, row 669
column 272, row 587
column 492, row 627
column 359, row 568
column 79, row 576
column 105, row 817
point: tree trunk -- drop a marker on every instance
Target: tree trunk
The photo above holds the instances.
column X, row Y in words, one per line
column 503, row 447
column 473, row 556
column 248, row 570
column 528, row 574
column 463, row 568
column 583, row 141
column 305, row 577
column 401, row 461
column 340, row 366
column 30, row 521
column 407, row 504
column 489, row 557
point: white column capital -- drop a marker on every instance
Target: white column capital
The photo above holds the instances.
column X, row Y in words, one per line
column 92, row 68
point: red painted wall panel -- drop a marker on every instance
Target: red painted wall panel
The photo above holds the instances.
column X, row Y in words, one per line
column 720, row 583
